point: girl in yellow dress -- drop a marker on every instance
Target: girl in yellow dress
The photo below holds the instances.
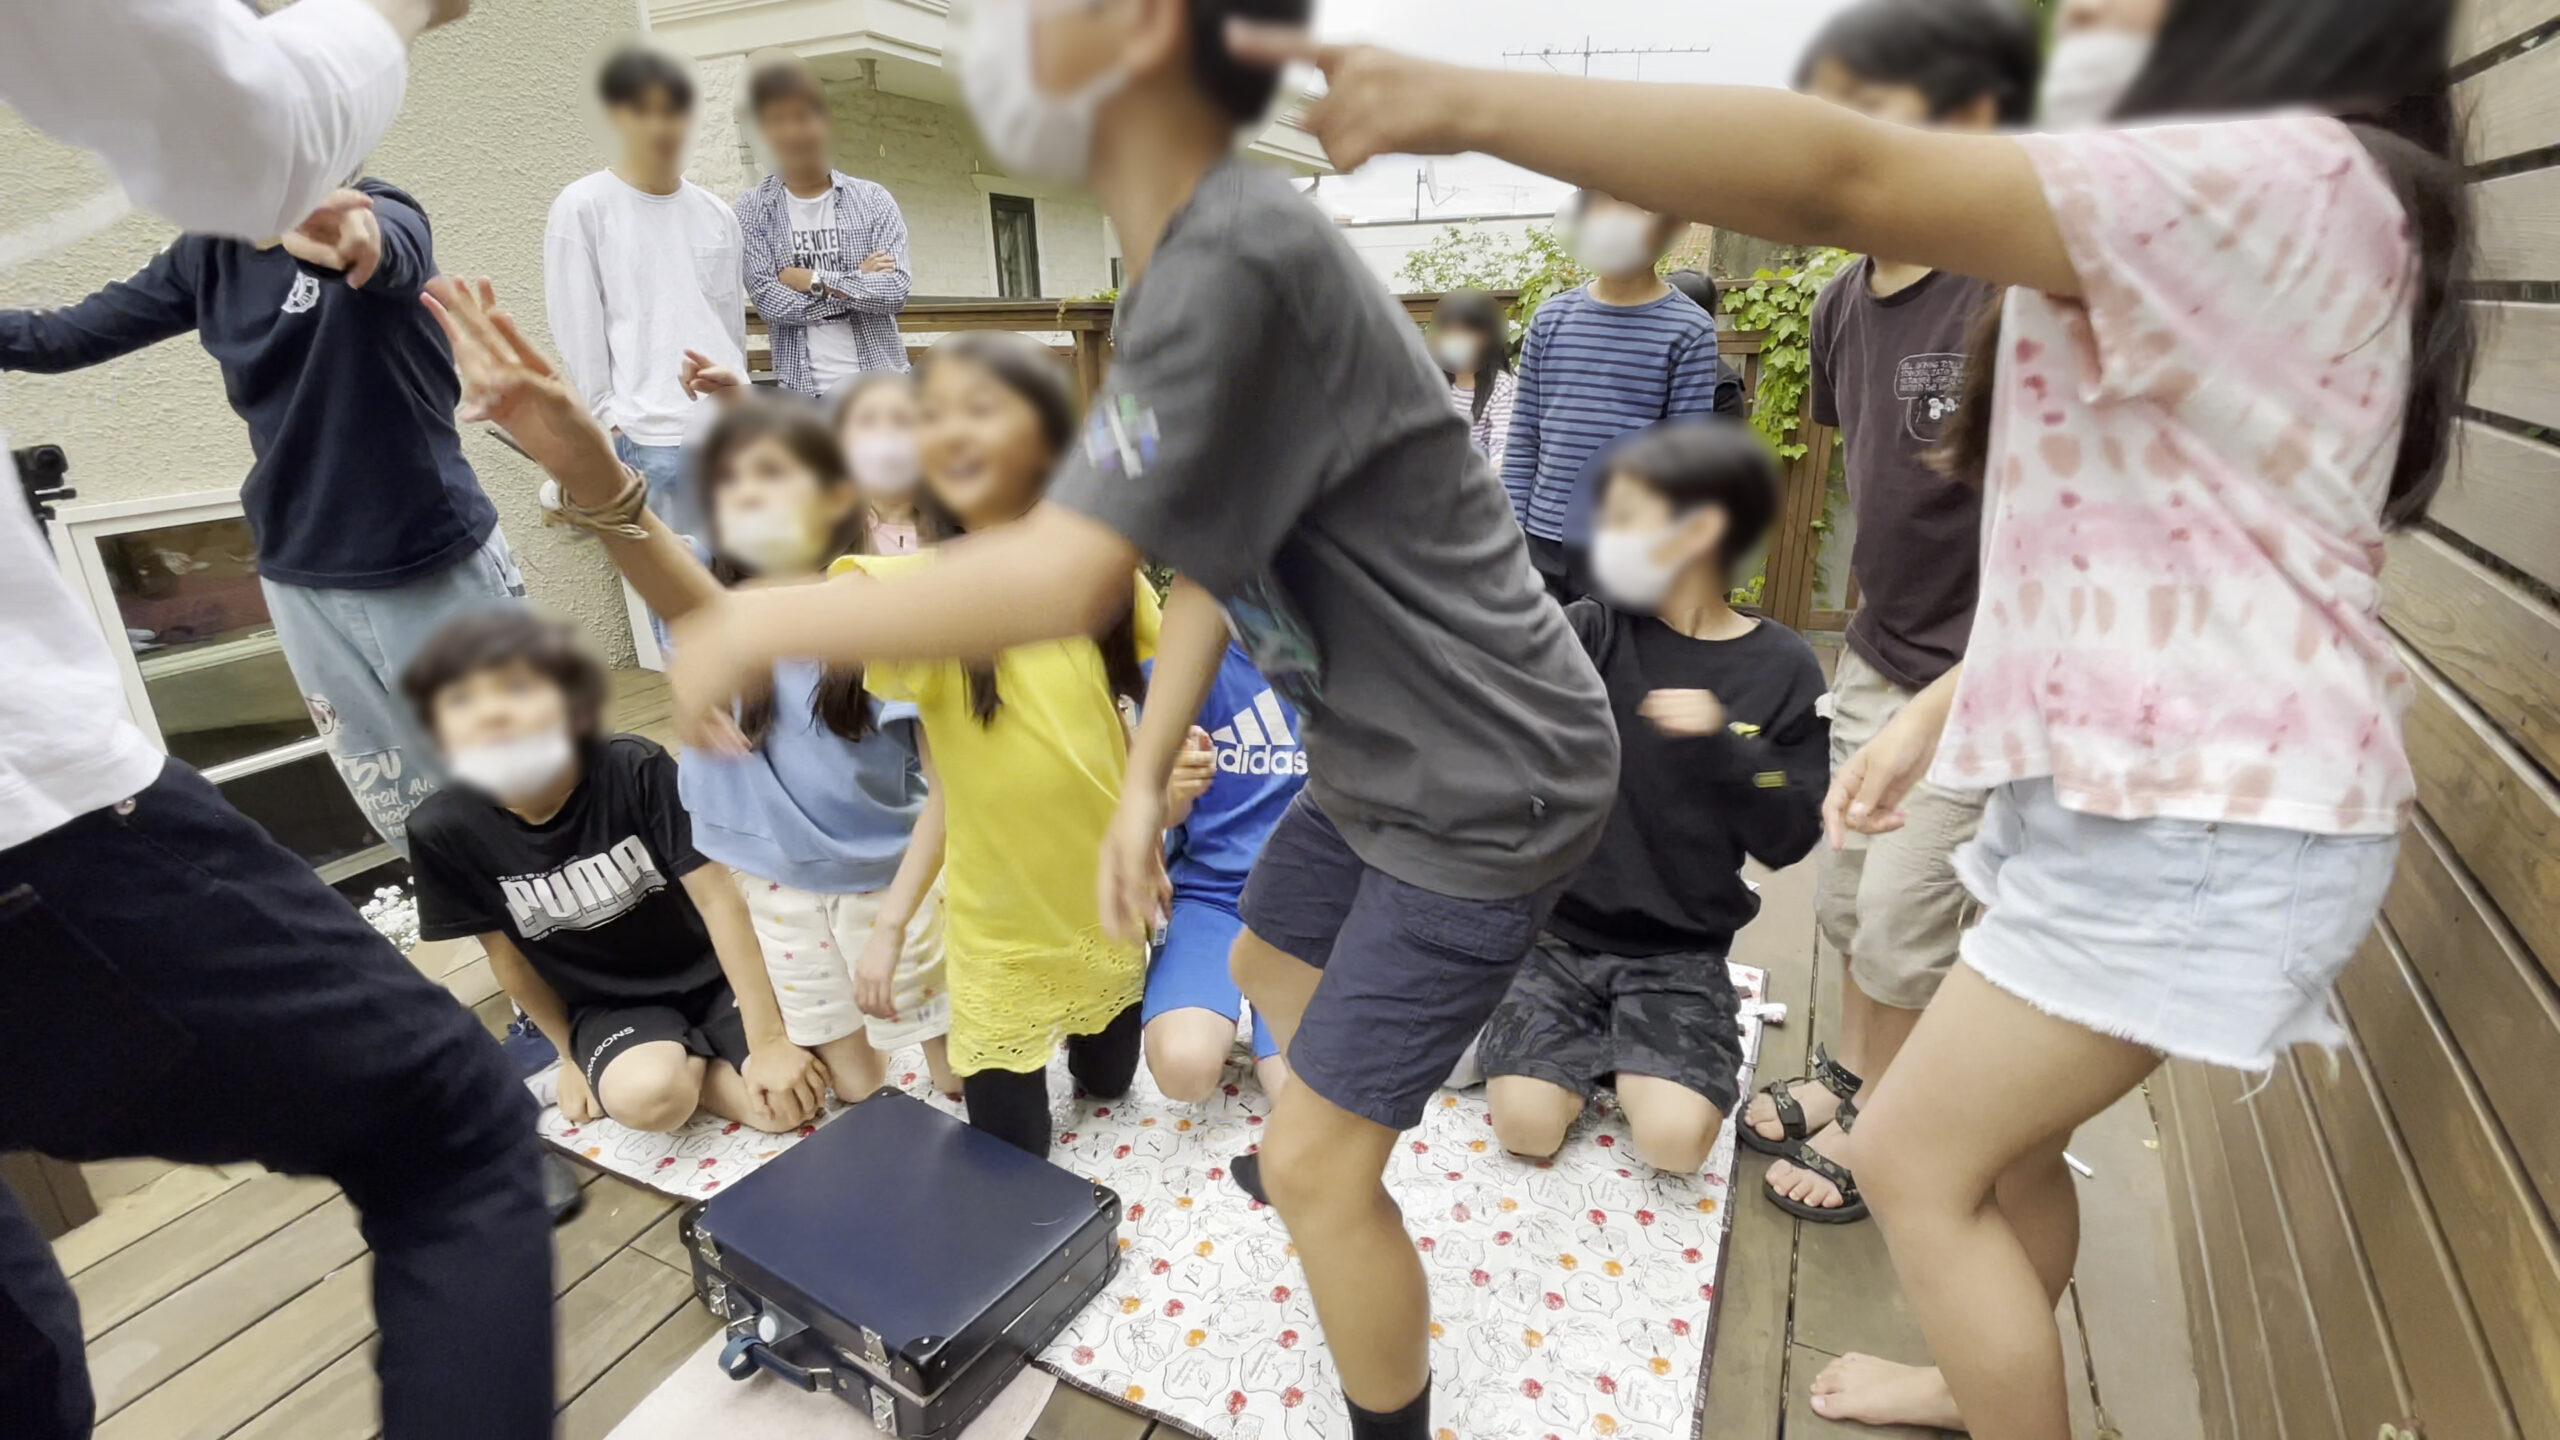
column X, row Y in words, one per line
column 1026, row 752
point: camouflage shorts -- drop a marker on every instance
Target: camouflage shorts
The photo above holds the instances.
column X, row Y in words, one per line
column 1576, row 1019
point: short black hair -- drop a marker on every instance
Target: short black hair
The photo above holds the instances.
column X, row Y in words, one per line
column 1243, row 91
column 1952, row 51
column 631, row 72
column 1698, row 463
column 784, row 78
column 498, row 635
column 1698, row 285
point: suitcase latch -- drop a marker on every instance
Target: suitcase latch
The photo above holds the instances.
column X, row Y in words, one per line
column 872, row 1348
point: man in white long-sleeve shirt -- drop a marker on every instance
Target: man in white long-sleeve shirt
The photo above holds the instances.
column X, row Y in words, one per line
column 640, row 265
column 172, row 982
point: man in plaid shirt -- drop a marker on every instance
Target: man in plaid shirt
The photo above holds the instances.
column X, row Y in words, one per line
column 826, row 254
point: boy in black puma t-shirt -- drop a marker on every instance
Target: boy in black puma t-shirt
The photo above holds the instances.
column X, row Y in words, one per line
column 565, row 851
column 1722, row 757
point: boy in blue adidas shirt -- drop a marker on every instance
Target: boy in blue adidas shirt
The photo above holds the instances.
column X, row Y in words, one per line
column 1235, row 779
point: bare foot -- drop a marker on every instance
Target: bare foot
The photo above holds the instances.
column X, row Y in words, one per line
column 1804, row 1186
column 1864, row 1390
column 1818, row 1102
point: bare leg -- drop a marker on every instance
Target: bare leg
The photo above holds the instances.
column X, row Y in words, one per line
column 937, row 1063
column 1279, row 984
column 654, row 1087
column 1325, row 1168
column 1273, row 1074
column 1986, row 1083
column 1187, row 1052
column 1674, row 1126
column 1531, row 1117
column 2037, row 1196
column 854, row 1068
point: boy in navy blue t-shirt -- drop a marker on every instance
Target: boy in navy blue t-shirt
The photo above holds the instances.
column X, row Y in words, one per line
column 1235, row 779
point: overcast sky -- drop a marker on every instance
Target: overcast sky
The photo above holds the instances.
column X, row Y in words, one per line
column 1748, row 42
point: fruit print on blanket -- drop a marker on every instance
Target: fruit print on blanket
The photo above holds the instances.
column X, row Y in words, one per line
column 1568, row 1299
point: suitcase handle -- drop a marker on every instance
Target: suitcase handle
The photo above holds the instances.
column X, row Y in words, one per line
column 744, row 1355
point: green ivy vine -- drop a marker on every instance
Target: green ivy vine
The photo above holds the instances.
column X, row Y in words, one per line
column 1780, row 306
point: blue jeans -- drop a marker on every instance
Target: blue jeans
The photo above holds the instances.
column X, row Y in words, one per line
column 177, row 984
column 346, row 649
column 670, row 498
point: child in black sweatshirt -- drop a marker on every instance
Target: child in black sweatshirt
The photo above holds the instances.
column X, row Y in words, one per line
column 1723, row 756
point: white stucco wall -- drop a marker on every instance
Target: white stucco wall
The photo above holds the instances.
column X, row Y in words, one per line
column 927, row 155
column 499, row 116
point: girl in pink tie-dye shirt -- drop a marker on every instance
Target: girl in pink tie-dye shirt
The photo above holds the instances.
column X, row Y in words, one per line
column 2231, row 359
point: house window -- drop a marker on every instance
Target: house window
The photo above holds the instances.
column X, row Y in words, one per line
column 174, row 583
column 1116, row 281
column 1017, row 247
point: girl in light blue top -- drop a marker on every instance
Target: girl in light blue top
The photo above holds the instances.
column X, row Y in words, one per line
column 818, row 798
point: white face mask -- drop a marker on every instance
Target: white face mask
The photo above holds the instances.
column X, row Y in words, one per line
column 884, row 463
column 1034, row 136
column 513, row 769
column 1457, row 353
column 771, row 540
column 1625, row 572
column 2087, row 77
column 1615, row 241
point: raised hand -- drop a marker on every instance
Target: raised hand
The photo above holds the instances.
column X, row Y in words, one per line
column 340, row 235
column 705, row 378
column 507, row 381
column 1376, row 102
column 712, row 657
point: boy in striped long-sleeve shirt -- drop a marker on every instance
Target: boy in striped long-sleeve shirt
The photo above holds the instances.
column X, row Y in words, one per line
column 1619, row 354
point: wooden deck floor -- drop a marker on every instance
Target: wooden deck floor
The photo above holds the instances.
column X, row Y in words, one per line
column 230, row 1302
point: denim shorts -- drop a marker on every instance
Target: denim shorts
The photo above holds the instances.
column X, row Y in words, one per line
column 2208, row 941
column 1410, row 975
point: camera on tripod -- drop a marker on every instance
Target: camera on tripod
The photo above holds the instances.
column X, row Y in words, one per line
column 42, row 472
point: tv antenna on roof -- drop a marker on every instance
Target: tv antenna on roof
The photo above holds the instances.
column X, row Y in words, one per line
column 1549, row 54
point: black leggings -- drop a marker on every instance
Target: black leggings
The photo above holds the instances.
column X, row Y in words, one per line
column 1013, row 1105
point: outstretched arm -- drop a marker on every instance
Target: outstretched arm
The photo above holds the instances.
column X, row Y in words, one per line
column 1050, row 575
column 506, row 380
column 1813, row 173
column 157, row 303
column 220, row 120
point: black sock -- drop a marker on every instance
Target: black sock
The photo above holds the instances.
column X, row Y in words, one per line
column 1413, row 1422
column 1247, row 1169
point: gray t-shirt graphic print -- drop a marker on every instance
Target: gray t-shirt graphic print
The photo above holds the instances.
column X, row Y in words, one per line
column 1273, row 429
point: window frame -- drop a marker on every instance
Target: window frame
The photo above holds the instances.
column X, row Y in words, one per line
column 1002, row 206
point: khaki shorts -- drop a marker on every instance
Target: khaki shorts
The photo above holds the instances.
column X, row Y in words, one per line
column 1892, row 903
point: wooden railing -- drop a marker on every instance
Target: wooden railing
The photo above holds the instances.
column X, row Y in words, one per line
column 1086, row 349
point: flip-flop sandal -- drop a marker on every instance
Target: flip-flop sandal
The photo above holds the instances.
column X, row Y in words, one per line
column 1852, row 1207
column 1828, row 1073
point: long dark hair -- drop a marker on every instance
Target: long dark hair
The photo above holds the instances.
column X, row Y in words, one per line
column 2382, row 66
column 1029, row 370
column 839, row 702
column 1475, row 310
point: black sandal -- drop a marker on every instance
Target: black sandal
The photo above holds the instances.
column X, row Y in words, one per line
column 1828, row 1073
column 1852, row 1207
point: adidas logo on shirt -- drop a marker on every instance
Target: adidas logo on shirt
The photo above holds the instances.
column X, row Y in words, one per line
column 1259, row 742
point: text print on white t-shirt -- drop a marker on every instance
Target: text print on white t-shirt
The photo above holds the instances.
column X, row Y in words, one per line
column 585, row 893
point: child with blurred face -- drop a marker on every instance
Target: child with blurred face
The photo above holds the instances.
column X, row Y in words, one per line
column 1891, row 343
column 1722, row 758
column 1602, row 360
column 876, row 423
column 564, row 850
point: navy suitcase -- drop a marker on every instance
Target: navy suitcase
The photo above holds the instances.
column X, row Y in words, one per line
column 901, row 1261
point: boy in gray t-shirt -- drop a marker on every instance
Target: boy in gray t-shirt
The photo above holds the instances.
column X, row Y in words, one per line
column 1275, row 431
